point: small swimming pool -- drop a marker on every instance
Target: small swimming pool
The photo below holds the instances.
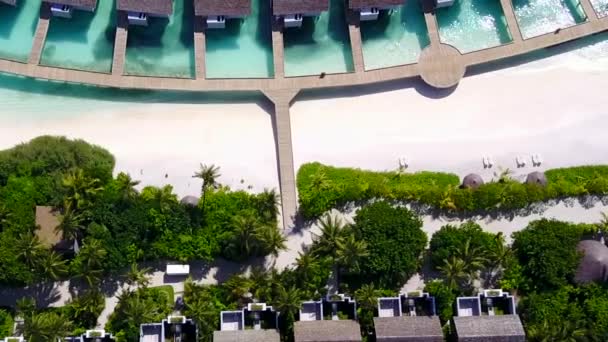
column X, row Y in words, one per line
column 472, row 25
column 249, row 39
column 84, row 42
column 17, row 29
column 600, row 7
column 322, row 44
column 165, row 47
column 537, row 17
column 396, row 38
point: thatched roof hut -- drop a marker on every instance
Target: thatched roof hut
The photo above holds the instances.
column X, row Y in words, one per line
column 155, row 7
column 594, row 263
column 232, row 8
column 285, row 7
column 190, row 201
column 537, row 178
column 361, row 4
column 472, row 181
column 408, row 328
column 48, row 220
column 327, row 331
column 500, row 328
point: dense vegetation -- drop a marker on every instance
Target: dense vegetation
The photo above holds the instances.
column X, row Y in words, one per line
column 321, row 188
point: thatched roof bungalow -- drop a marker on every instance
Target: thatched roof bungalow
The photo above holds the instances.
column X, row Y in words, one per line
column 161, row 8
column 500, row 328
column 594, row 263
column 227, row 8
column 408, row 329
column 327, row 331
column 362, row 4
column 304, row 7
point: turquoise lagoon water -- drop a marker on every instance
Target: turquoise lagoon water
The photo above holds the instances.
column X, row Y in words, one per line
column 165, row 47
column 600, row 7
column 322, row 44
column 396, row 38
column 17, row 29
column 471, row 25
column 537, row 17
column 244, row 48
column 84, row 42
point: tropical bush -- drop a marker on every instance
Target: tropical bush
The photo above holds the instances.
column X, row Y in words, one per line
column 449, row 239
column 321, row 188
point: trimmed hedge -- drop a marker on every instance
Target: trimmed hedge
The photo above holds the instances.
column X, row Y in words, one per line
column 321, row 188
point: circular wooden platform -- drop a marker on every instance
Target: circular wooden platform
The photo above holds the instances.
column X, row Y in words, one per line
column 441, row 66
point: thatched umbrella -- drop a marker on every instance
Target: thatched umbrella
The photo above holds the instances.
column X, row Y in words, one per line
column 537, row 178
column 472, row 181
column 594, row 263
column 190, row 201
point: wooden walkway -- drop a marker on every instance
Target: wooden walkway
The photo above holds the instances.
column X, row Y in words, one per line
column 40, row 36
column 120, row 44
column 354, row 32
column 507, row 9
column 199, row 46
column 278, row 49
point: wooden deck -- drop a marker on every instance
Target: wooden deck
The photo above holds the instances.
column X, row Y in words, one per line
column 354, row 32
column 278, row 52
column 199, row 46
column 42, row 28
column 120, row 44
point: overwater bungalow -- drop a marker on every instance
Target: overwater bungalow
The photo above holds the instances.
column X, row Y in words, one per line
column 9, row 2
column 370, row 9
column 293, row 11
column 216, row 12
column 138, row 11
column 64, row 8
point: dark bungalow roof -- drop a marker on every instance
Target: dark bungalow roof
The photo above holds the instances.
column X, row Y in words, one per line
column 327, row 331
column 360, row 4
column 501, row 328
column 222, row 7
column 77, row 3
column 246, row 336
column 408, row 329
column 594, row 263
column 472, row 181
column 10, row 2
column 283, row 7
column 160, row 7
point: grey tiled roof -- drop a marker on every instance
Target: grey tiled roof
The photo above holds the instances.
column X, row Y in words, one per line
column 282, row 7
column 78, row 3
column 10, row 2
column 222, row 7
column 593, row 263
column 408, row 329
column 246, row 336
column 359, row 4
column 502, row 328
column 327, row 331
column 160, row 7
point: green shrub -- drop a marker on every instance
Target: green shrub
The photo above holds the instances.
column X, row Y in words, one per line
column 449, row 239
column 6, row 323
column 321, row 188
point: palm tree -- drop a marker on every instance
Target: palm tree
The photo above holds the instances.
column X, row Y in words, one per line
column 326, row 243
column 138, row 276
column 209, row 174
column 70, row 226
column 46, row 326
column 367, row 297
column 164, row 197
column 497, row 258
column 306, row 264
column 26, row 306
column 126, row 186
column 53, row 266
column 319, row 180
column 30, row 249
column 566, row 331
column 350, row 251
column 244, row 242
column 91, row 261
column 288, row 302
column 202, row 310
column 271, row 239
column 269, row 203
column 81, row 190
column 473, row 259
column 454, row 271
column 239, row 287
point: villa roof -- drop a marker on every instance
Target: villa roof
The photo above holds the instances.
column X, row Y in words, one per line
column 222, row 7
column 594, row 263
column 327, row 331
column 537, row 178
column 360, row 4
column 283, row 7
column 408, row 329
column 472, row 181
column 77, row 3
column 189, row 200
column 501, row 328
column 160, row 7
column 47, row 219
column 246, row 336
column 10, row 2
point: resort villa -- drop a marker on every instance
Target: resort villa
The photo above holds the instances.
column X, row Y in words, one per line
column 94, row 335
column 370, row 9
column 490, row 316
column 64, row 8
column 174, row 328
column 257, row 322
column 138, row 11
column 293, row 11
column 330, row 319
column 216, row 12
column 409, row 317
column 594, row 263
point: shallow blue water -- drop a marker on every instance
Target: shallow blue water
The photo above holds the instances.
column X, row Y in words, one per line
column 17, row 29
column 84, row 42
column 322, row 44
column 537, row 17
column 396, row 38
column 165, row 47
column 244, row 48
